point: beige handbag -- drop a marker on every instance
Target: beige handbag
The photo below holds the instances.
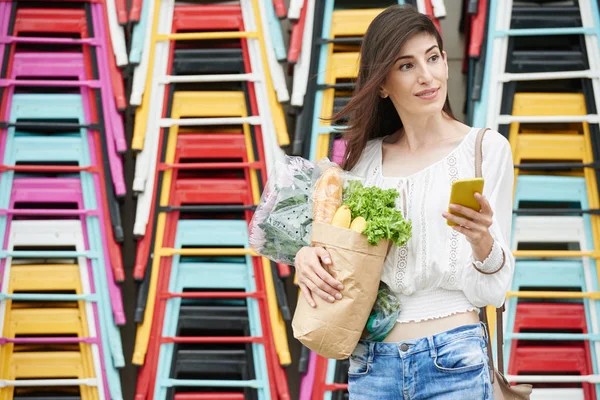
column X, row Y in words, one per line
column 502, row 389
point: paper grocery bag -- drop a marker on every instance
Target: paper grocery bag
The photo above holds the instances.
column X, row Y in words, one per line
column 333, row 330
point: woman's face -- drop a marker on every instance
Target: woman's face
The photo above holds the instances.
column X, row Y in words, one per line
column 417, row 82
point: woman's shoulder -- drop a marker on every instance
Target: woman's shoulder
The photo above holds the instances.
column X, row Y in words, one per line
column 494, row 143
column 495, row 138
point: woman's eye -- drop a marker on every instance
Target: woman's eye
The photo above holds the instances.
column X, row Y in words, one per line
column 405, row 67
column 434, row 57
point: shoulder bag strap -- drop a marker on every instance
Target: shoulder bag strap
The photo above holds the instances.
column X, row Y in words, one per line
column 484, row 319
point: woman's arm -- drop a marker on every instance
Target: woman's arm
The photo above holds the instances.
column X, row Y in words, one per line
column 488, row 274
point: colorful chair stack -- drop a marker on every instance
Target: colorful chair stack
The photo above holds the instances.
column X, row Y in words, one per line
column 325, row 43
column 208, row 128
column 61, row 172
column 539, row 86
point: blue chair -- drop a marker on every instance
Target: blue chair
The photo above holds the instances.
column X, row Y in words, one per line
column 208, row 274
column 139, row 32
column 275, row 32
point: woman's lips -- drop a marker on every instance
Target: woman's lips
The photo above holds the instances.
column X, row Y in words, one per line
column 429, row 94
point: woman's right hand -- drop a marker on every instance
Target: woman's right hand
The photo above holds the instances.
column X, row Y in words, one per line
column 313, row 278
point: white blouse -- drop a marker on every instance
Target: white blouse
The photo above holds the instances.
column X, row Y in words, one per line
column 432, row 275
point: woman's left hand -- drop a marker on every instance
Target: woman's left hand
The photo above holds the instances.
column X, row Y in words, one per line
column 474, row 225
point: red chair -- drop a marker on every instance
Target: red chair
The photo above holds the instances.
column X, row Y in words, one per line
column 203, row 18
column 296, row 36
column 556, row 316
column 429, row 12
column 280, row 9
column 552, row 360
column 320, row 385
column 209, row 396
column 120, row 7
column 555, row 357
column 136, row 10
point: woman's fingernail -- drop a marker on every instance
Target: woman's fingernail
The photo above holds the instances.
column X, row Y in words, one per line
column 338, row 296
column 312, row 305
column 327, row 260
column 341, row 287
column 331, row 299
column 452, row 207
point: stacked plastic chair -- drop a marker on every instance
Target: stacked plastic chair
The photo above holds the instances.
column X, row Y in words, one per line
column 210, row 312
column 325, row 43
column 473, row 27
column 61, row 136
column 540, row 88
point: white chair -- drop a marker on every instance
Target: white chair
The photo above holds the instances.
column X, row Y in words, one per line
column 557, row 394
column 302, row 67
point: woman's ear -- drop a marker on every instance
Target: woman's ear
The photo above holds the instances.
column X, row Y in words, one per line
column 383, row 93
column 445, row 55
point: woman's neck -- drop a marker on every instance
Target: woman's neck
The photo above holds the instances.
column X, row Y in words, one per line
column 420, row 132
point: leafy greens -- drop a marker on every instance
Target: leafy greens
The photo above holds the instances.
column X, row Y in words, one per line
column 377, row 206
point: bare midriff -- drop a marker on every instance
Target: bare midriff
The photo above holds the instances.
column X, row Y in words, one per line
column 415, row 330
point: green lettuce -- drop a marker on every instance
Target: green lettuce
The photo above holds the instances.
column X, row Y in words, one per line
column 378, row 207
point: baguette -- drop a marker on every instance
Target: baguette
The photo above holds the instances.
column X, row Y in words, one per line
column 327, row 196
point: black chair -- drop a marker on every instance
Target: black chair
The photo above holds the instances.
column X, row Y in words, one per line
column 545, row 14
column 212, row 361
column 546, row 54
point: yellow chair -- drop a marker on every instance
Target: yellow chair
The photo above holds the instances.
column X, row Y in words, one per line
column 52, row 365
column 561, row 146
column 48, row 319
column 352, row 22
column 340, row 66
column 278, row 326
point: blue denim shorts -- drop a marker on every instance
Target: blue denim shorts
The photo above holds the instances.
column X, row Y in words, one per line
column 451, row 365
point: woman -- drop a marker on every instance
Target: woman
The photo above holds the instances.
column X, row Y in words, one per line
column 402, row 134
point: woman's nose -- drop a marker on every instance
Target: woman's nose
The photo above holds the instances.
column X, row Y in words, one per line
column 425, row 76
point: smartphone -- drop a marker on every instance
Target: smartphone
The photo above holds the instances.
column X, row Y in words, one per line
column 463, row 193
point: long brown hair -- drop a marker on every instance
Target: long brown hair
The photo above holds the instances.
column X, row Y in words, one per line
column 370, row 116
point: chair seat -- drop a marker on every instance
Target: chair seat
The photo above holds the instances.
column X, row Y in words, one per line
column 557, row 394
column 549, row 359
column 40, row 365
column 550, row 316
column 211, row 146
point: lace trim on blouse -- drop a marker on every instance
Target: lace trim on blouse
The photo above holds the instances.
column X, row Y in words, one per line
column 452, row 164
